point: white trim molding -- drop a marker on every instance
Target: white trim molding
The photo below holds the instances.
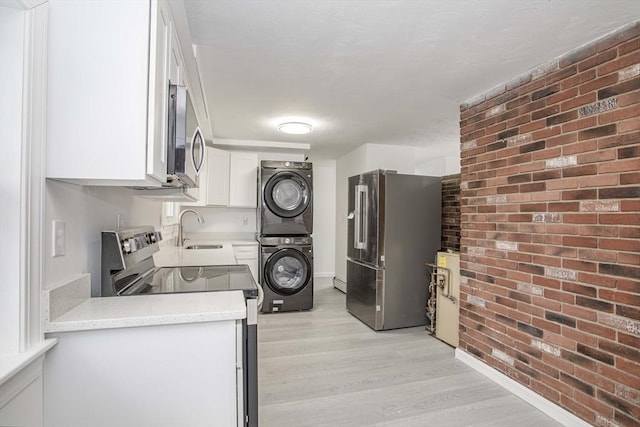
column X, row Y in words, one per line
column 33, row 171
column 556, row 412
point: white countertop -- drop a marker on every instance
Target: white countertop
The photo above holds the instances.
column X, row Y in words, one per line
column 146, row 310
column 70, row 307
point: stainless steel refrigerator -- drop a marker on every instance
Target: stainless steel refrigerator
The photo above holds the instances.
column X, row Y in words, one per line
column 393, row 230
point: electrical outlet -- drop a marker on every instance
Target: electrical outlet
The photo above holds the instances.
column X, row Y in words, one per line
column 245, row 220
column 59, row 237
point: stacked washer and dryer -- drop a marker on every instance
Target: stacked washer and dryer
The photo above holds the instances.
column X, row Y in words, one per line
column 285, row 222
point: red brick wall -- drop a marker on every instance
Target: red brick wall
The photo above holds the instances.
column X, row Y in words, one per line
column 451, row 212
column 550, row 229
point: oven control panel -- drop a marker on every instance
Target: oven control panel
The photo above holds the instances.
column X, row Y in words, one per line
column 131, row 244
column 125, row 249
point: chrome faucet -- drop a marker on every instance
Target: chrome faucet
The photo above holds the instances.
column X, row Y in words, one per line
column 180, row 240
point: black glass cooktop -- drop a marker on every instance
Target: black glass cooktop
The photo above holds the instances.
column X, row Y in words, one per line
column 168, row 280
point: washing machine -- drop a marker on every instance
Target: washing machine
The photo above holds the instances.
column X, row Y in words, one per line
column 286, row 198
column 286, row 273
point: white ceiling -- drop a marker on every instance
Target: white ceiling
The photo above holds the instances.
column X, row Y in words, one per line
column 374, row 71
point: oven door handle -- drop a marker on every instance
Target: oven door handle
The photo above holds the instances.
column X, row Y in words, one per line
column 125, row 290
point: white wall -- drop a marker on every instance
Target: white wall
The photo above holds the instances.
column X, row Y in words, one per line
column 282, row 156
column 399, row 158
column 348, row 165
column 438, row 160
column 324, row 218
column 87, row 211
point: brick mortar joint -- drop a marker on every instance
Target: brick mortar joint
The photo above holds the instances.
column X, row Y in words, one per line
column 533, row 73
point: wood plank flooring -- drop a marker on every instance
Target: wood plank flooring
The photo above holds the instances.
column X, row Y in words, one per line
column 325, row 368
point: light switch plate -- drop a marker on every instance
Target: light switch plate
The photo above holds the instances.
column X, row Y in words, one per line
column 59, row 237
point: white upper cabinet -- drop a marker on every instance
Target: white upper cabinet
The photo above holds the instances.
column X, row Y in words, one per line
column 229, row 179
column 217, row 177
column 243, row 179
column 109, row 65
column 176, row 73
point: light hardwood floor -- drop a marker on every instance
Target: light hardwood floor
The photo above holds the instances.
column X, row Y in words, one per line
column 325, row 368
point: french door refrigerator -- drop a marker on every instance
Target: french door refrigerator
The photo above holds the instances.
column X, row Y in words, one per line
column 394, row 228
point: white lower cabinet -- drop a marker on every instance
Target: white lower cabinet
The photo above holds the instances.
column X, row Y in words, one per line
column 169, row 375
column 248, row 255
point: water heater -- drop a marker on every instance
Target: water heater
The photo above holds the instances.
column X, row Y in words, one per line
column 447, row 301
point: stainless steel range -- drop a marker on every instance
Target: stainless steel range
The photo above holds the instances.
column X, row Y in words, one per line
column 128, row 269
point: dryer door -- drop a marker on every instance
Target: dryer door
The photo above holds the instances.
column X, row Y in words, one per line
column 287, row 271
column 287, row 194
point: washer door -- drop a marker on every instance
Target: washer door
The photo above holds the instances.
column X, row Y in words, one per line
column 287, row 271
column 287, row 194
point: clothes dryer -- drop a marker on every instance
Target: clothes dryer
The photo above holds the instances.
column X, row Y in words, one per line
column 286, row 198
column 286, row 275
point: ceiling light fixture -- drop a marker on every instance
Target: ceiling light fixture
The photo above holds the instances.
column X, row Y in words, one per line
column 295, row 128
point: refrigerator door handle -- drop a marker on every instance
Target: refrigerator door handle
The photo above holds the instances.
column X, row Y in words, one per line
column 365, row 217
column 356, row 223
column 360, row 234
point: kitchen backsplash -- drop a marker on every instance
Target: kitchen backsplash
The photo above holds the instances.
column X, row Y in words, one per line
column 216, row 220
column 87, row 211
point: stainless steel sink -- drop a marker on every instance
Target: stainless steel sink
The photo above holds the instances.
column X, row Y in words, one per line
column 203, row 247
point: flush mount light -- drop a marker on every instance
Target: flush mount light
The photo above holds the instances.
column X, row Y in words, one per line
column 295, row 128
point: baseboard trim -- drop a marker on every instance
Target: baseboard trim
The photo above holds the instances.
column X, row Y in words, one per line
column 323, row 275
column 340, row 284
column 534, row 399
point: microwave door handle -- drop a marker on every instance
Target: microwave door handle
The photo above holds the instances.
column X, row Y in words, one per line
column 203, row 152
column 197, row 139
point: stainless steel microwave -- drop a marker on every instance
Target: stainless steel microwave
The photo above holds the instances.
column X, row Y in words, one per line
column 185, row 144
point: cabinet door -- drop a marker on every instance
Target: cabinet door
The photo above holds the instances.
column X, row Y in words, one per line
column 217, row 177
column 175, row 60
column 243, row 179
column 192, row 383
column 158, row 90
column 247, row 255
column 98, row 92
